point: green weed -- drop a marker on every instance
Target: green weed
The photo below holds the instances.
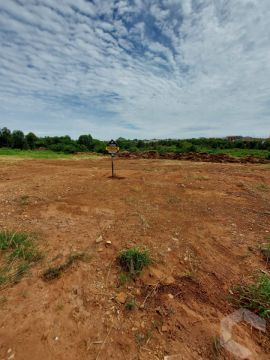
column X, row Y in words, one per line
column 255, row 297
column 130, row 304
column 133, row 260
column 18, row 252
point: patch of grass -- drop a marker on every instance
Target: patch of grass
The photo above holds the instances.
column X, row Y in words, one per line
column 20, row 245
column 142, row 338
column 55, row 272
column 130, row 304
column 18, row 253
column 123, row 278
column 255, row 297
column 133, row 260
column 42, row 154
column 24, row 199
column 240, row 152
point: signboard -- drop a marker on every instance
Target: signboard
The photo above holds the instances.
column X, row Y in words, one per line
column 112, row 147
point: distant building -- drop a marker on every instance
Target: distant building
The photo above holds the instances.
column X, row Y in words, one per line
column 234, row 138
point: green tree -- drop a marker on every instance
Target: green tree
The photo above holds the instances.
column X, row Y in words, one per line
column 5, row 137
column 87, row 141
column 31, row 139
column 18, row 140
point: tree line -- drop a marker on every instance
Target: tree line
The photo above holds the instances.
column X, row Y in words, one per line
column 18, row 140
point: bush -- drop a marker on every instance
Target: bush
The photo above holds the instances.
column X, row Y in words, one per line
column 133, row 260
column 255, row 297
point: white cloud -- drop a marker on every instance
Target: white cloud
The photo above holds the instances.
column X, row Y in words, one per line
column 165, row 68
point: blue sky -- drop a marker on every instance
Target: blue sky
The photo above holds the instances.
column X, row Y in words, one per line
column 135, row 68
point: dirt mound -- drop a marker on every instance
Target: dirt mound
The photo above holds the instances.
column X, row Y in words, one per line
column 200, row 157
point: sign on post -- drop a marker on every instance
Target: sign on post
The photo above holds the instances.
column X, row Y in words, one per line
column 112, row 149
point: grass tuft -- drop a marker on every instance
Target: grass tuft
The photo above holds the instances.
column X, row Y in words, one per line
column 133, row 260
column 255, row 297
column 130, row 304
column 17, row 253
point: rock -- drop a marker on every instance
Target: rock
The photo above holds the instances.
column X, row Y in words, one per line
column 100, row 250
column 99, row 239
column 169, row 280
column 156, row 273
column 108, row 242
column 170, row 296
column 164, row 328
column 121, row 297
column 138, row 291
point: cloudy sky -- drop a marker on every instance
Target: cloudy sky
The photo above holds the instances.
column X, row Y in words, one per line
column 135, row 68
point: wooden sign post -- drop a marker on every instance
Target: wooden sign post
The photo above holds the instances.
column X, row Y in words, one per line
column 112, row 149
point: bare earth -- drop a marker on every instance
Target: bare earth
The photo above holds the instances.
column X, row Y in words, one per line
column 202, row 222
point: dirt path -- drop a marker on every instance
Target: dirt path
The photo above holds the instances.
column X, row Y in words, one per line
column 202, row 222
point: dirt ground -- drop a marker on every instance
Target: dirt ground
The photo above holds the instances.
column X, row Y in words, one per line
column 203, row 224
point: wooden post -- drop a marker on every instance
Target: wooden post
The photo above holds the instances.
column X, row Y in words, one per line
column 112, row 166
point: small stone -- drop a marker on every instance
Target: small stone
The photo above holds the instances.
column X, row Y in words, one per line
column 138, row 291
column 164, row 328
column 121, row 297
column 56, row 338
column 170, row 296
column 108, row 242
column 169, row 280
column 99, row 239
column 9, row 351
column 100, row 250
column 169, row 249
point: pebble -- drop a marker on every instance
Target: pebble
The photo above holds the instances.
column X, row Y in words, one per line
column 121, row 297
column 164, row 328
column 99, row 239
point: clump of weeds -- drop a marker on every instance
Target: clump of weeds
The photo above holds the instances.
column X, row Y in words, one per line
column 18, row 252
column 133, row 260
column 254, row 297
column 130, row 304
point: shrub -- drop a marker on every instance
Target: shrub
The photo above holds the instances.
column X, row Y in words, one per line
column 255, row 297
column 133, row 260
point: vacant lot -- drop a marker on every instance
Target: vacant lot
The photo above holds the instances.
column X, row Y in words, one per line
column 202, row 223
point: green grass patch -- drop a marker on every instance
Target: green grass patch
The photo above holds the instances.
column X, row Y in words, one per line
column 33, row 154
column 130, row 304
column 133, row 260
column 55, row 272
column 18, row 252
column 42, row 154
column 255, row 296
column 241, row 152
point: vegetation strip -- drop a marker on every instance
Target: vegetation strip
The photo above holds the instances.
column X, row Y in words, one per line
column 18, row 253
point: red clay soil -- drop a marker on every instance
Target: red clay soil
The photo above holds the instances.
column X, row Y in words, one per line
column 204, row 157
column 203, row 224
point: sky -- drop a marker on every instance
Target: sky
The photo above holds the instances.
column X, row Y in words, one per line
column 135, row 68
